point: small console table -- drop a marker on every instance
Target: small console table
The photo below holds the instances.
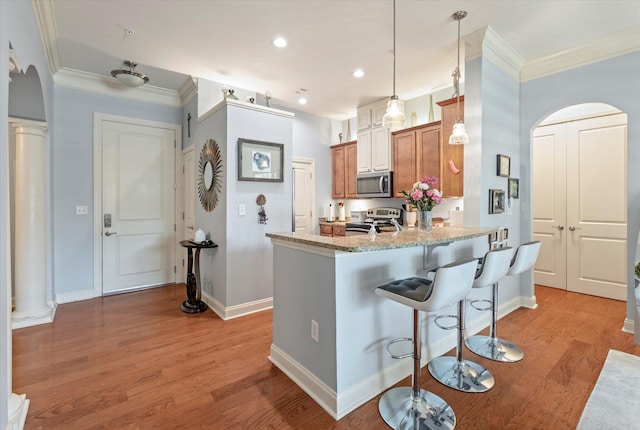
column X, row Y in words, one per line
column 193, row 304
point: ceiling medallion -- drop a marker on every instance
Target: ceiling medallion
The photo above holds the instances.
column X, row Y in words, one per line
column 210, row 175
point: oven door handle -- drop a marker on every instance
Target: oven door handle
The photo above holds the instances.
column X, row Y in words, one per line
column 381, row 182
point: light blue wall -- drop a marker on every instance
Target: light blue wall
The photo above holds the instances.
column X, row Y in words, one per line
column 613, row 81
column 73, row 177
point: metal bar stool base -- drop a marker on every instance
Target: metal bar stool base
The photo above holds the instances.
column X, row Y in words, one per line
column 494, row 348
column 465, row 376
column 400, row 411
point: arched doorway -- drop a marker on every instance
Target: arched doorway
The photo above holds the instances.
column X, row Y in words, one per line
column 579, row 200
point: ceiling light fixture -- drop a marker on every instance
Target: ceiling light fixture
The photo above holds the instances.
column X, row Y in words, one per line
column 459, row 135
column 394, row 117
column 279, row 42
column 302, row 101
column 358, row 73
column 130, row 77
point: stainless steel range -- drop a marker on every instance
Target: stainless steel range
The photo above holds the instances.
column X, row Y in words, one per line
column 384, row 219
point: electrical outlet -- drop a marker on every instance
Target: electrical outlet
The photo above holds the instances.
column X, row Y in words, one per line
column 242, row 210
column 314, row 330
column 82, row 210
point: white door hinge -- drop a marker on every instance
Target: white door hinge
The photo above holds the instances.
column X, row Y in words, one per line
column 174, row 269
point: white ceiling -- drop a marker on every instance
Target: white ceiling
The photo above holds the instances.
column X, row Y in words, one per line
column 229, row 41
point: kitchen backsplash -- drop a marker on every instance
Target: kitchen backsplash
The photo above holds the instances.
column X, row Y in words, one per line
column 440, row 211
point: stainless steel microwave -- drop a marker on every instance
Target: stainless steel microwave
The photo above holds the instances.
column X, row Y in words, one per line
column 376, row 184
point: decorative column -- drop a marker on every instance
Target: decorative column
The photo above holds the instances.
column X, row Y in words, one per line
column 29, row 236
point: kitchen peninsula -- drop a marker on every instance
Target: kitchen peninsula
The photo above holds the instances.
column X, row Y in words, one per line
column 330, row 330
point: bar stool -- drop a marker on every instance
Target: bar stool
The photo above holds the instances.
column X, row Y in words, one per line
column 493, row 267
column 412, row 407
column 492, row 347
column 456, row 372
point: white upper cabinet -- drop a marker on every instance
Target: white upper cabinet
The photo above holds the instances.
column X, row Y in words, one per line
column 374, row 141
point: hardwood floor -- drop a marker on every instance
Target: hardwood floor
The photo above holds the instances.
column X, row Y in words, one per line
column 135, row 361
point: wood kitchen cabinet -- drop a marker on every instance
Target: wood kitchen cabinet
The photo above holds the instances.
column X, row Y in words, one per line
column 416, row 154
column 452, row 155
column 343, row 170
column 424, row 150
column 332, row 230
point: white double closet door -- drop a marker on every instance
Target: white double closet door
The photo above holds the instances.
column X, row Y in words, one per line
column 580, row 205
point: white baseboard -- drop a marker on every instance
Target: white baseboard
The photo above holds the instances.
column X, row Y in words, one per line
column 75, row 296
column 28, row 320
column 629, row 326
column 227, row 313
column 528, row 302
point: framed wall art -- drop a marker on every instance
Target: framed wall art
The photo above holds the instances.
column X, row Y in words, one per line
column 504, row 165
column 260, row 161
column 496, row 201
column 514, row 188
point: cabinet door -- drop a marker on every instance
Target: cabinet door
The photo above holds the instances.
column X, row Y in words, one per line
column 404, row 160
column 364, row 118
column 452, row 155
column 337, row 172
column 428, row 153
column 351, row 170
column 381, row 149
column 364, row 152
column 378, row 111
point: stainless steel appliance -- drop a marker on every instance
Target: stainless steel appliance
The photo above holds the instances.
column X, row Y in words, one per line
column 374, row 184
column 384, row 221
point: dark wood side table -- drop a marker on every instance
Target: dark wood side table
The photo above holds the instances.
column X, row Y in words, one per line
column 193, row 304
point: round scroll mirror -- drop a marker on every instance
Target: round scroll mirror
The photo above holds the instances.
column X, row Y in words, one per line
column 210, row 175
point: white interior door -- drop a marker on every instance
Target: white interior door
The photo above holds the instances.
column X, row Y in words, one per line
column 597, row 206
column 304, row 195
column 549, row 205
column 579, row 205
column 189, row 195
column 189, row 202
column 138, row 204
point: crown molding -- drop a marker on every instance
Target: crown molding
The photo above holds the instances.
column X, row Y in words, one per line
column 100, row 84
column 613, row 45
column 487, row 43
column 188, row 90
column 245, row 105
column 45, row 18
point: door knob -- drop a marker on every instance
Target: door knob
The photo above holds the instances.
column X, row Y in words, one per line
column 108, row 233
column 560, row 227
column 573, row 228
column 190, row 227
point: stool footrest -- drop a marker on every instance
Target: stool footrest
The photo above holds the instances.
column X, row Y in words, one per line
column 446, row 327
column 394, row 341
column 474, row 303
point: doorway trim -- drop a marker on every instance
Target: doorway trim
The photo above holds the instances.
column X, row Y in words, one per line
column 312, row 165
column 98, row 119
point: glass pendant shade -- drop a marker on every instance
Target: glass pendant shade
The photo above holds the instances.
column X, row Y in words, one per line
column 394, row 117
column 459, row 135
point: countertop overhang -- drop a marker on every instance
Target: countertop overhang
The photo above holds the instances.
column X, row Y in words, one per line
column 382, row 241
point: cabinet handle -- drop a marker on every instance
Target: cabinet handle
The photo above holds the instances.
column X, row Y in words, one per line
column 453, row 168
column 381, row 180
column 573, row 228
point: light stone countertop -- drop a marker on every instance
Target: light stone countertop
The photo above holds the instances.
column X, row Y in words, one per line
column 404, row 239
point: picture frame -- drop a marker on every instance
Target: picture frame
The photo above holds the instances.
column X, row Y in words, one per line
column 260, row 161
column 514, row 188
column 496, row 201
column 503, row 165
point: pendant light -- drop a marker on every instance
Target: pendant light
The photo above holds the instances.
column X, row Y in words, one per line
column 459, row 135
column 394, row 116
column 130, row 77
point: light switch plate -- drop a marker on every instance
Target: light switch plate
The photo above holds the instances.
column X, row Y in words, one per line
column 242, row 209
column 82, row 210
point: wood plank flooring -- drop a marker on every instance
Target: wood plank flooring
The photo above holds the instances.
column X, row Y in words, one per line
column 135, row 361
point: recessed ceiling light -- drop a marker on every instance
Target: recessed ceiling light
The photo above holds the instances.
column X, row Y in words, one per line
column 279, row 42
column 302, row 101
column 358, row 73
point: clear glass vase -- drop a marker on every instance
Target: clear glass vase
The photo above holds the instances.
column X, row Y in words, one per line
column 425, row 223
